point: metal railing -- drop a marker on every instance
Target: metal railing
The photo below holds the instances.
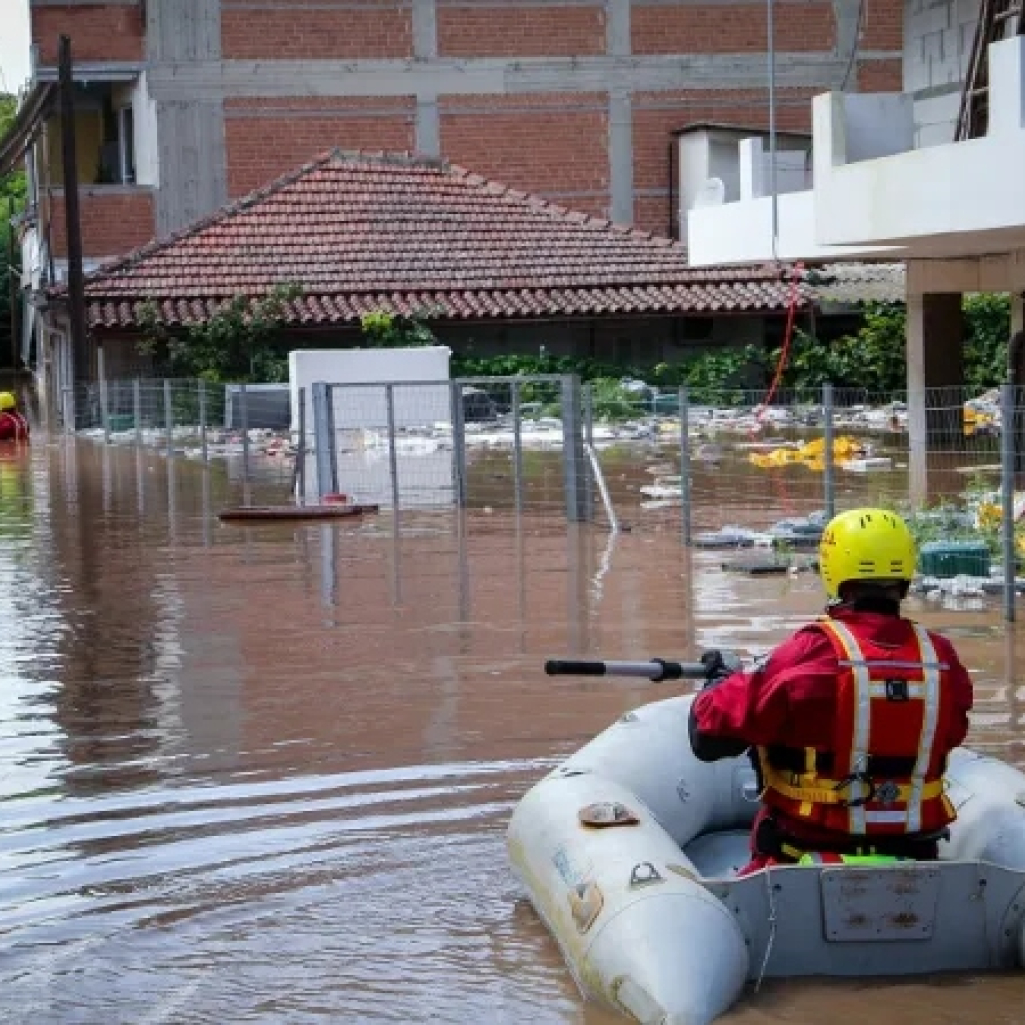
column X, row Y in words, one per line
column 716, row 465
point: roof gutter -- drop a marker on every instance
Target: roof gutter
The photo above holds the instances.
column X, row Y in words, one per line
column 27, row 123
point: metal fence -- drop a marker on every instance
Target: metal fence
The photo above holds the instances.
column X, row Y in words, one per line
column 718, row 466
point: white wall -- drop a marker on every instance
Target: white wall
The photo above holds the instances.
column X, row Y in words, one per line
column 693, row 170
column 866, row 127
column 147, row 148
column 417, row 406
column 742, row 233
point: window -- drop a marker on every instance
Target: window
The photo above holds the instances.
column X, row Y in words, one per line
column 104, row 136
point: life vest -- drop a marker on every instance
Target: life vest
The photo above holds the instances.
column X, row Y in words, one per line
column 881, row 771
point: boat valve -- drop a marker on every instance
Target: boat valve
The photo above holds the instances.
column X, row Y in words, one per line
column 644, row 874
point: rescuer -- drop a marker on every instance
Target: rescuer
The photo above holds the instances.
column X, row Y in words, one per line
column 850, row 721
column 13, row 426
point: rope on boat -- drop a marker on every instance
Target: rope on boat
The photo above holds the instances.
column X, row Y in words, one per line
column 772, row 927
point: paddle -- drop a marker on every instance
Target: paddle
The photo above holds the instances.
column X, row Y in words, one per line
column 656, row 670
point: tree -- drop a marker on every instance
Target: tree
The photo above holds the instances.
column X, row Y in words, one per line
column 12, row 188
column 239, row 343
column 874, row 358
column 393, row 331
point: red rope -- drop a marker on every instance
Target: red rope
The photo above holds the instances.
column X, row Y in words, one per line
column 795, row 295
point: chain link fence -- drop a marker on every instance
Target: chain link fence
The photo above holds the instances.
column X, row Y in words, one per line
column 719, row 466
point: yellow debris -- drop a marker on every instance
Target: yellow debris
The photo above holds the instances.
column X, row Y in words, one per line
column 812, row 455
column 989, row 515
column 972, row 420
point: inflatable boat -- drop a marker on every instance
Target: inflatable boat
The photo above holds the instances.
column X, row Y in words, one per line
column 629, row 851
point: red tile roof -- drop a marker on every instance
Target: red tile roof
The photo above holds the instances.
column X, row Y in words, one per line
column 362, row 232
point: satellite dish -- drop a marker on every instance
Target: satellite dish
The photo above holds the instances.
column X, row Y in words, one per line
column 711, row 193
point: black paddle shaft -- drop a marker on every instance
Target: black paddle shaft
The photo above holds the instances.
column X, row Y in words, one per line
column 656, row 669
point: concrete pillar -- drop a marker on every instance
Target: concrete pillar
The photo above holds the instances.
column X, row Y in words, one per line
column 935, row 360
column 1016, row 376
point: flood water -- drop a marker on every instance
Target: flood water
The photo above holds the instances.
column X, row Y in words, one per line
column 263, row 773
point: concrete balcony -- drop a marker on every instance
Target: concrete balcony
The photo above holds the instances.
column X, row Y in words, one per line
column 875, row 195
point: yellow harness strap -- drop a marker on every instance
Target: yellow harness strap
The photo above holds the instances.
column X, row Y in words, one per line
column 815, row 790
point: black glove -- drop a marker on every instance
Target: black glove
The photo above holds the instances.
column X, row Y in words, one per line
column 719, row 665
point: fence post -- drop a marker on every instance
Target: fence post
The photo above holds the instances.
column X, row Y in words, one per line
column 1007, row 410
column 168, row 417
column 574, row 471
column 828, row 481
column 243, row 417
column 324, row 439
column 202, row 422
column 300, row 452
column 517, row 418
column 686, row 526
column 458, row 442
column 393, row 459
column 101, row 371
column 587, row 395
column 137, row 410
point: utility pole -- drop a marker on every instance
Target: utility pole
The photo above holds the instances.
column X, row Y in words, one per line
column 773, row 155
column 73, row 225
column 13, row 288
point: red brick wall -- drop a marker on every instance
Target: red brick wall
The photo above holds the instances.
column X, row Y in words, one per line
column 881, row 77
column 882, row 26
column 270, row 137
column 298, row 30
column 546, row 30
column 544, row 142
column 741, row 28
column 98, row 33
column 113, row 223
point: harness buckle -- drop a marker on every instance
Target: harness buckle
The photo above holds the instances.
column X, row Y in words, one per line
column 857, row 777
column 897, row 690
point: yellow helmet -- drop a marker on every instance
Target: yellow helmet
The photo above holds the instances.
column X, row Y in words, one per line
column 7, row 401
column 866, row 544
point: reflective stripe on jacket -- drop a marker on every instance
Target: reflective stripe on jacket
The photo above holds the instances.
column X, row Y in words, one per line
column 13, row 426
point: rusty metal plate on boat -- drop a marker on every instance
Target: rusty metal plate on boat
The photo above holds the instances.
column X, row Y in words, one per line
column 879, row 905
column 607, row 813
column 585, row 904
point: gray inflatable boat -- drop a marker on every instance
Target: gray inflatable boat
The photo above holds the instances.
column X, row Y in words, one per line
column 629, row 849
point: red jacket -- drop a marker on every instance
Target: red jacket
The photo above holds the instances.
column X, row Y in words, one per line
column 773, row 707
column 13, row 426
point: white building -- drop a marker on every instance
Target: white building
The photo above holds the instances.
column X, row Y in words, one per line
column 889, row 181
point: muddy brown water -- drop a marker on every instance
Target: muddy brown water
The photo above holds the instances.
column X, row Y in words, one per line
column 263, row 773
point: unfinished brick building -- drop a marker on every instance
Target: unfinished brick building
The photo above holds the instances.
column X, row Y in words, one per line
column 186, row 104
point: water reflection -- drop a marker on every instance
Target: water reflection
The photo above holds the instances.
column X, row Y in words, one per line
column 290, row 751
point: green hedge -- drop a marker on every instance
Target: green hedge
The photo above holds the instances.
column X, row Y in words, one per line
column 243, row 343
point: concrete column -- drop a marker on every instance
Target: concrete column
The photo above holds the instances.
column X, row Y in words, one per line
column 425, row 49
column 1016, row 376
column 935, row 361
column 621, row 155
